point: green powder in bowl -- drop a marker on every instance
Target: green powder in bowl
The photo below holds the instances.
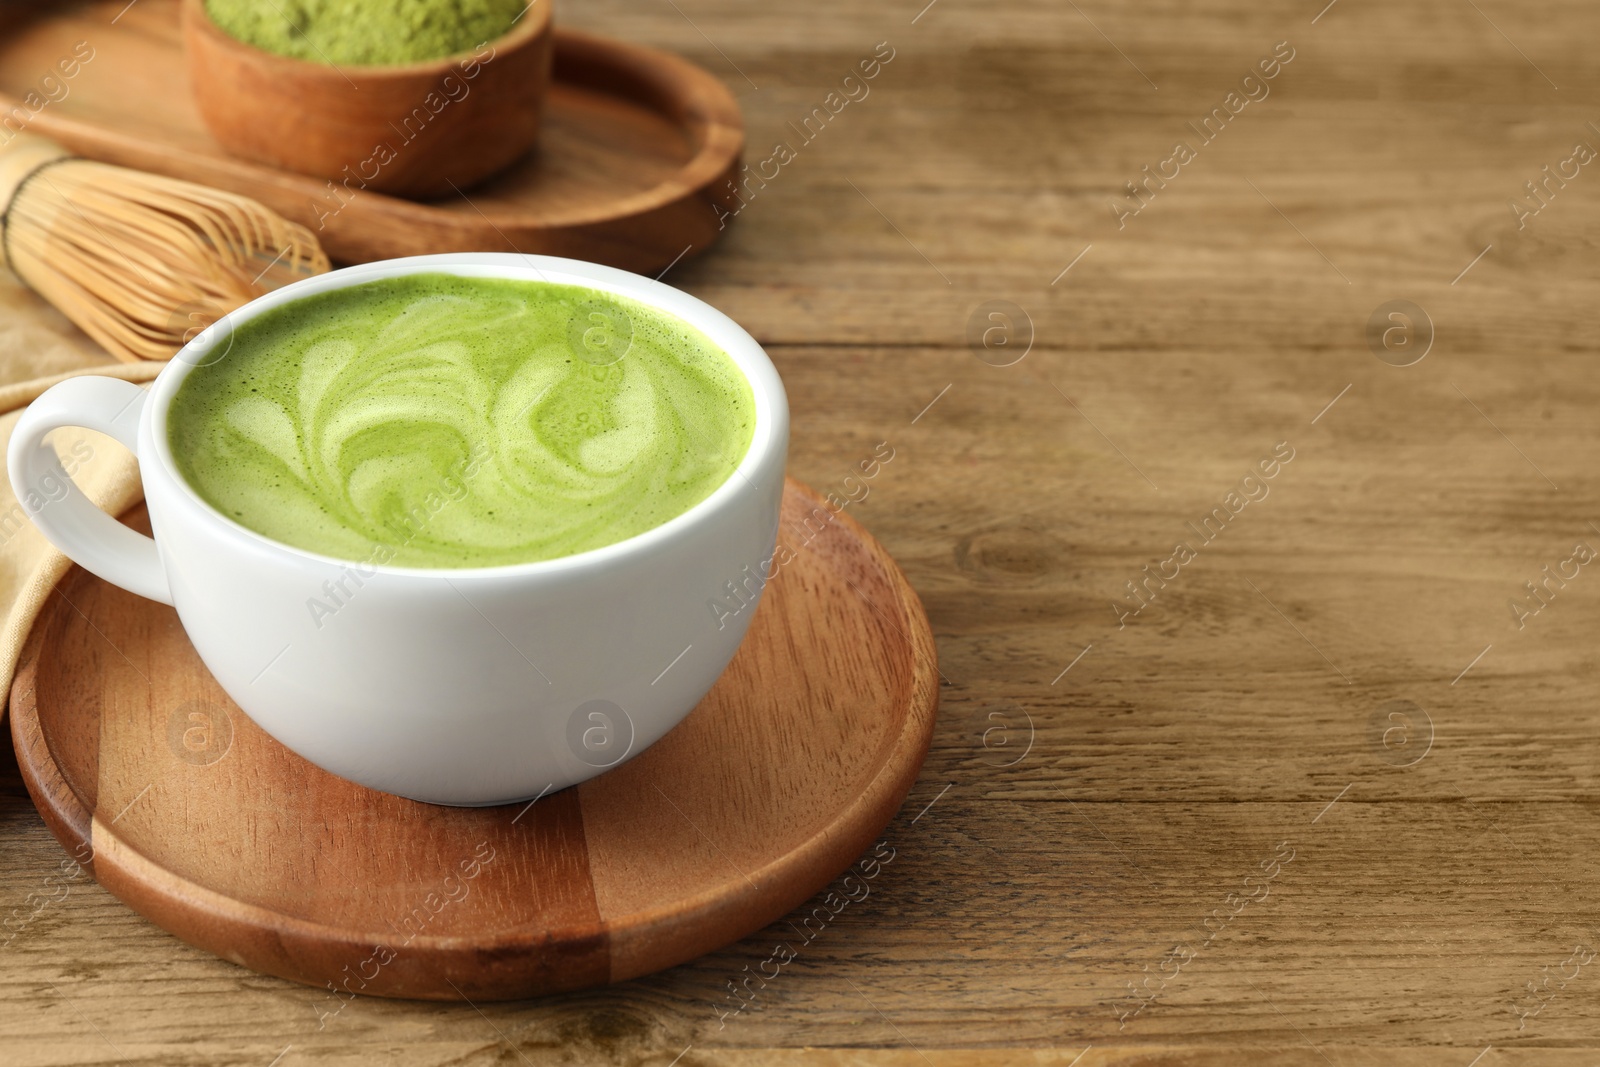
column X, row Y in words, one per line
column 366, row 32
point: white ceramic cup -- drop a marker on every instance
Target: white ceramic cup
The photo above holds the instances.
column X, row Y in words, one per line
column 454, row 686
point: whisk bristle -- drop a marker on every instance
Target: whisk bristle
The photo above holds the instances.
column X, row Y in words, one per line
column 143, row 263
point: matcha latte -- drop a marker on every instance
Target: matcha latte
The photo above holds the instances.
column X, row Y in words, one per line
column 435, row 420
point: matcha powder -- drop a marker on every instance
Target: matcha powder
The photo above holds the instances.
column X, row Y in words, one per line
column 366, row 32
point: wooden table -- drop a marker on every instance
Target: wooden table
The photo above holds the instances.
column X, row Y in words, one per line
column 1326, row 798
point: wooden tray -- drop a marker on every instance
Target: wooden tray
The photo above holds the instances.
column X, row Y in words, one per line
column 635, row 148
column 780, row 779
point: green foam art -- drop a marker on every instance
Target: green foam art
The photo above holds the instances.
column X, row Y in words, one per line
column 443, row 421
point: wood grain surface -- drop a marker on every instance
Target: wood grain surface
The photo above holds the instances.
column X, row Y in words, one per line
column 169, row 796
column 635, row 144
column 1169, row 763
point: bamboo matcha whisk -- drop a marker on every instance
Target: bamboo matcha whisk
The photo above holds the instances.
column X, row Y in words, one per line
column 139, row 262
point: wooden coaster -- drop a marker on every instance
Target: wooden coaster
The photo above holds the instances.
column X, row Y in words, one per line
column 637, row 145
column 780, row 779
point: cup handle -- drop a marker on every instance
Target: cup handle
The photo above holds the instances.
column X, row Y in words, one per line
column 93, row 539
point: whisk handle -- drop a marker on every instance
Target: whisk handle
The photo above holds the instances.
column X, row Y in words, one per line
column 21, row 157
column 94, row 540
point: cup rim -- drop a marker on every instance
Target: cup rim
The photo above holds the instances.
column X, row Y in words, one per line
column 769, row 437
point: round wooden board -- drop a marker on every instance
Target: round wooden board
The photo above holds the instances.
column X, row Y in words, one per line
column 775, row 783
column 636, row 151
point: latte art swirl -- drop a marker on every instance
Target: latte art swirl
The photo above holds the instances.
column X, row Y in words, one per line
column 443, row 421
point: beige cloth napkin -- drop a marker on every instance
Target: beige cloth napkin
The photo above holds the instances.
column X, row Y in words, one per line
column 39, row 347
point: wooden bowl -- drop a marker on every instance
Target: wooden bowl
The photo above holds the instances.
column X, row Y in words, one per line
column 413, row 130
